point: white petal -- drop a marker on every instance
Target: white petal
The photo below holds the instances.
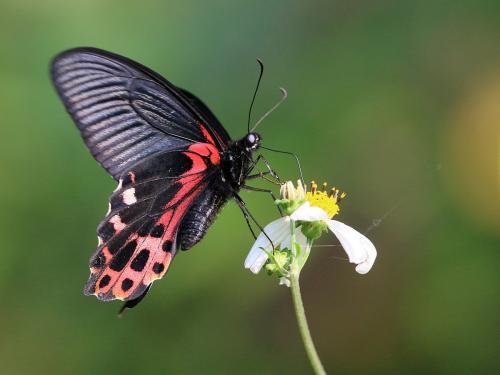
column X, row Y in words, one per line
column 359, row 249
column 306, row 212
column 277, row 231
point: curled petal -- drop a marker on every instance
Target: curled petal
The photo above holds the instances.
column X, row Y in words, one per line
column 359, row 249
column 277, row 231
column 306, row 212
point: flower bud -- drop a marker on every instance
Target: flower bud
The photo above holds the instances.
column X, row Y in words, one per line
column 290, row 192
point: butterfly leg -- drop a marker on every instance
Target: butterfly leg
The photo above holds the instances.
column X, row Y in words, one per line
column 258, row 175
column 263, row 176
column 268, row 191
column 269, row 168
column 270, row 171
column 248, row 216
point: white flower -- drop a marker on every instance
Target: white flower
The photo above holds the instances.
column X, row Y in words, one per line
column 359, row 249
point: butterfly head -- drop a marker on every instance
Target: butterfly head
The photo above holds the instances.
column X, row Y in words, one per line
column 251, row 142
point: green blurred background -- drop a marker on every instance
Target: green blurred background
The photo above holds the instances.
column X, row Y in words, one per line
column 395, row 102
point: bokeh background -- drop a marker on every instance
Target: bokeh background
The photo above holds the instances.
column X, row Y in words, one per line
column 396, row 102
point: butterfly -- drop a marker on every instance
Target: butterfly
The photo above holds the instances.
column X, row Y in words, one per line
column 175, row 164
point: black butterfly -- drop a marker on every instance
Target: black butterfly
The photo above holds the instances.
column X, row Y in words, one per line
column 175, row 164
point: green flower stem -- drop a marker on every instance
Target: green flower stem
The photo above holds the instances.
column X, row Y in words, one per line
column 299, row 305
column 303, row 326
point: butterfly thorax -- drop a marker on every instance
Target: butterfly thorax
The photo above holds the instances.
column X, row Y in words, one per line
column 237, row 160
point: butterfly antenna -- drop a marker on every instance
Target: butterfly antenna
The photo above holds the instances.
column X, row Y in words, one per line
column 261, row 65
column 283, row 97
column 291, row 154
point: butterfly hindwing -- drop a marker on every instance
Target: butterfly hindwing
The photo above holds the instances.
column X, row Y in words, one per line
column 138, row 237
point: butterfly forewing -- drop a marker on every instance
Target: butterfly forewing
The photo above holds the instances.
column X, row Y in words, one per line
column 126, row 112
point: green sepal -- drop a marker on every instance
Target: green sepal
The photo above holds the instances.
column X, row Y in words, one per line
column 313, row 229
column 279, row 262
column 289, row 206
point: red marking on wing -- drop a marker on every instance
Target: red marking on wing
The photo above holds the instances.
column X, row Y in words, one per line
column 107, row 254
column 132, row 176
column 208, row 136
column 206, row 133
column 200, row 151
column 153, row 245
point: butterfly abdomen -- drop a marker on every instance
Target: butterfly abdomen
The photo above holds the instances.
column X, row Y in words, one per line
column 200, row 216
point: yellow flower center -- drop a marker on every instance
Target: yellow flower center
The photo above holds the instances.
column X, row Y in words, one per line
column 328, row 201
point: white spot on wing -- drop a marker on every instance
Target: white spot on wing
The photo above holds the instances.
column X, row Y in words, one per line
column 129, row 196
column 118, row 225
